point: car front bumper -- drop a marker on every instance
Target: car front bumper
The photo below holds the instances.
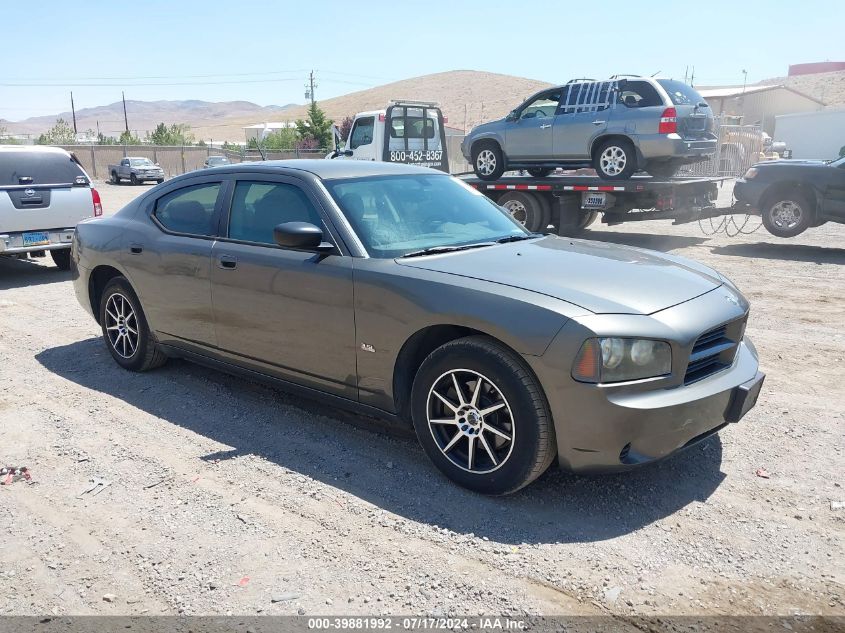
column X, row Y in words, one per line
column 615, row 427
column 13, row 243
column 670, row 146
column 749, row 192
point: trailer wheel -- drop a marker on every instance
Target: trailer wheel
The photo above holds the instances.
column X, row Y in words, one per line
column 787, row 213
column 488, row 162
column 573, row 220
column 529, row 210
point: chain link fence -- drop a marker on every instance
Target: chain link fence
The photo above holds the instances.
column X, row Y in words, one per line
column 174, row 160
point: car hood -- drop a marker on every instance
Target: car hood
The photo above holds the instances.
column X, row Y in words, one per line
column 600, row 277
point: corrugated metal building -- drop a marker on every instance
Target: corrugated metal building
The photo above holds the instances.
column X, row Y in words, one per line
column 758, row 104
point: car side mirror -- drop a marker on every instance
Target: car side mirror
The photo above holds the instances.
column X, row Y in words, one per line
column 512, row 116
column 302, row 236
column 347, row 152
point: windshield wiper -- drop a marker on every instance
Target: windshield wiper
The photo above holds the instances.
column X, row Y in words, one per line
column 434, row 250
column 517, row 238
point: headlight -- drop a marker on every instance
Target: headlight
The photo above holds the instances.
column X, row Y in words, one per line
column 612, row 359
column 751, row 173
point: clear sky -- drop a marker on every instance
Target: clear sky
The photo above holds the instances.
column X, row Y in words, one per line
column 261, row 51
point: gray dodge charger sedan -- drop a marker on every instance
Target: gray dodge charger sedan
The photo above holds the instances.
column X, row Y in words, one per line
column 402, row 292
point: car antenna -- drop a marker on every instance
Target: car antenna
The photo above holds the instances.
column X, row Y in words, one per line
column 657, row 73
column 261, row 150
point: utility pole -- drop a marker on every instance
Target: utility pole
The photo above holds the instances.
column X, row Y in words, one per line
column 686, row 73
column 125, row 119
column 98, row 130
column 73, row 111
column 744, row 79
column 692, row 78
column 309, row 88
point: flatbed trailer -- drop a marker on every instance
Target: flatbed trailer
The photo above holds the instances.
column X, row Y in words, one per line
column 571, row 203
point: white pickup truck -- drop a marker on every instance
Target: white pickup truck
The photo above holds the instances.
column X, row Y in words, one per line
column 44, row 193
column 410, row 132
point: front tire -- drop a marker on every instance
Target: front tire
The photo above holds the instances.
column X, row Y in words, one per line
column 530, row 210
column 125, row 330
column 787, row 214
column 481, row 416
column 114, row 178
column 615, row 159
column 133, row 179
column 61, row 258
column 488, row 162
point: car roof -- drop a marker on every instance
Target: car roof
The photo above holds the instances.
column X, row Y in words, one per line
column 45, row 149
column 330, row 169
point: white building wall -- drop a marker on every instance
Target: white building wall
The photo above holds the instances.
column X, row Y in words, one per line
column 812, row 134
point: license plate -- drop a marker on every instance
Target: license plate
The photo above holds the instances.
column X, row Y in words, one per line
column 36, row 238
column 594, row 200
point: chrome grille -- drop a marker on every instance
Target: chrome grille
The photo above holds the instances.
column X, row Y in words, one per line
column 714, row 351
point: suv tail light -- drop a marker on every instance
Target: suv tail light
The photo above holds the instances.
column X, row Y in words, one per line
column 668, row 122
column 98, row 206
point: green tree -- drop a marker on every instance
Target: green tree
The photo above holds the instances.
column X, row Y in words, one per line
column 316, row 126
column 281, row 139
column 127, row 138
column 345, row 127
column 102, row 139
column 5, row 139
column 176, row 134
column 60, row 134
column 842, row 151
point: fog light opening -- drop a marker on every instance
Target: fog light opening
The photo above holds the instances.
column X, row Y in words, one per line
column 623, row 455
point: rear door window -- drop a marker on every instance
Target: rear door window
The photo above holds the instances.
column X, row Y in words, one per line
column 39, row 168
column 638, row 94
column 189, row 210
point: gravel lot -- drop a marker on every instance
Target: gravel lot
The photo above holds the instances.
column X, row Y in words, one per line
column 271, row 504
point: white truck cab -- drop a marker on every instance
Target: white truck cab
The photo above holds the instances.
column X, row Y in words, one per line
column 410, row 132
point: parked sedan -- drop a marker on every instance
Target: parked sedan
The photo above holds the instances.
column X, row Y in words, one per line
column 401, row 292
column 216, row 161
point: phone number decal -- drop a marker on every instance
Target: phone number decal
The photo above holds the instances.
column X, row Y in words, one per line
column 416, row 156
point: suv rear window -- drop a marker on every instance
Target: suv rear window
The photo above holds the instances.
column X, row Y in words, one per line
column 680, row 93
column 17, row 167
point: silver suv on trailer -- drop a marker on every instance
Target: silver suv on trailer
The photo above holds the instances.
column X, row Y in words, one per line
column 617, row 126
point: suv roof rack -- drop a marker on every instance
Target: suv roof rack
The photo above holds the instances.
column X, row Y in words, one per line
column 411, row 102
column 572, row 81
column 618, row 76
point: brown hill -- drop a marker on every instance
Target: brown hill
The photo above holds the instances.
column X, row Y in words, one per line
column 467, row 97
column 827, row 87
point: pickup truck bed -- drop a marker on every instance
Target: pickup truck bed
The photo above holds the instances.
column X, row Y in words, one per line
column 571, row 203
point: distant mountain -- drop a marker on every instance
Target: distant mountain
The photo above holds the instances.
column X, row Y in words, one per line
column 826, row 87
column 467, row 98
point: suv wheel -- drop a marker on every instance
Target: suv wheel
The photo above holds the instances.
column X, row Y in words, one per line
column 787, row 214
column 125, row 328
column 615, row 159
column 488, row 163
column 61, row 258
column 481, row 416
column 529, row 210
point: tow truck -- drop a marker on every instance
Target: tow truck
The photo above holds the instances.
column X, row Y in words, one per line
column 412, row 132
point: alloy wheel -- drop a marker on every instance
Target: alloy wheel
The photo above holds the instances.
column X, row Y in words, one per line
column 470, row 420
column 786, row 214
column 486, row 162
column 121, row 325
column 613, row 160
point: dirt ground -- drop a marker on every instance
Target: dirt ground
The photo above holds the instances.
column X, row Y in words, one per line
column 230, row 497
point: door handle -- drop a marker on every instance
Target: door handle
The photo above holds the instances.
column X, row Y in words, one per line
column 135, row 248
column 228, row 262
column 598, row 122
column 543, row 127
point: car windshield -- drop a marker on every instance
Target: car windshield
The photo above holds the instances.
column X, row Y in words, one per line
column 140, row 162
column 680, row 93
column 218, row 159
column 397, row 215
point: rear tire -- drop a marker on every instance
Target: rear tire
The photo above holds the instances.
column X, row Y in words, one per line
column 61, row 258
column 530, row 210
column 125, row 330
column 573, row 220
column 488, row 162
column 496, row 436
column 787, row 213
column 159, row 181
column 540, row 172
column 615, row 159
